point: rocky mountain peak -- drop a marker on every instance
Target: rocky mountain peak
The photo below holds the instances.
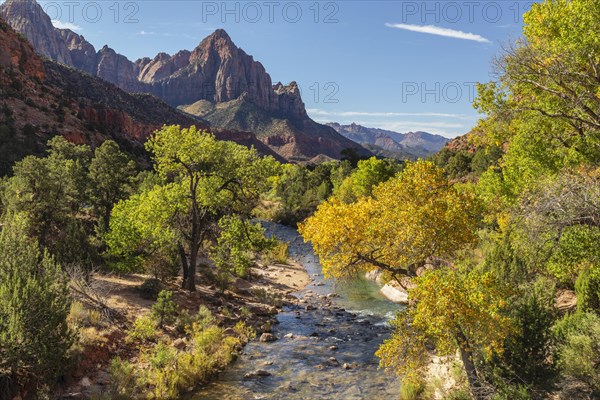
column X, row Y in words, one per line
column 29, row 18
column 216, row 72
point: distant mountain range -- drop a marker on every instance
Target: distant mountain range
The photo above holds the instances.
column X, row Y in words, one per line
column 217, row 81
column 40, row 98
column 392, row 144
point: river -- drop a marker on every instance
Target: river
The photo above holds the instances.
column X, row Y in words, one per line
column 328, row 352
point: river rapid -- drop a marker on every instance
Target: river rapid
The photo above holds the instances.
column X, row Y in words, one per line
column 325, row 348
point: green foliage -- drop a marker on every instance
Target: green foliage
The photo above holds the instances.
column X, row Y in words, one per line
column 503, row 258
column 204, row 180
column 587, row 288
column 237, row 244
column 279, row 254
column 34, row 305
column 58, row 193
column 458, row 394
column 463, row 164
column 122, row 378
column 142, row 330
column 165, row 372
column 512, row 392
column 579, row 348
column 369, row 173
column 527, row 355
column 110, row 177
column 164, row 311
column 411, row 390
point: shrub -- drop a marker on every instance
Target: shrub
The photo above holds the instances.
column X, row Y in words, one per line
column 459, row 394
column 167, row 372
column 123, row 379
column 528, row 352
column 165, row 309
column 150, row 289
column 579, row 349
column 34, row 305
column 587, row 288
column 412, row 390
column 278, row 254
column 244, row 332
column 143, row 329
column 81, row 317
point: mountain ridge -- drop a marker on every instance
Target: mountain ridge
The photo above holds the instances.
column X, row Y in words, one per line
column 216, row 71
column 390, row 143
column 40, row 98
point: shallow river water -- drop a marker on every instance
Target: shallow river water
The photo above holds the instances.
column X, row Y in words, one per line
column 301, row 367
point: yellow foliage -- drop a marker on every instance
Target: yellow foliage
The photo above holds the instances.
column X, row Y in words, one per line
column 409, row 219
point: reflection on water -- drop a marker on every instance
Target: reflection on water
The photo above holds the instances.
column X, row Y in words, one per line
column 331, row 352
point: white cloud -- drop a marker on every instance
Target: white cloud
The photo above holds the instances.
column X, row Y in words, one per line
column 146, row 33
column 66, row 25
column 439, row 31
column 324, row 113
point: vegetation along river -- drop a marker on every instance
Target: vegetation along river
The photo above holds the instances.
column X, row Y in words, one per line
column 323, row 351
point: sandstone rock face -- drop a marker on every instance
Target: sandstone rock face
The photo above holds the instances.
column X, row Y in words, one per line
column 216, row 71
column 29, row 19
column 84, row 109
column 18, row 54
column 83, row 54
column 116, row 68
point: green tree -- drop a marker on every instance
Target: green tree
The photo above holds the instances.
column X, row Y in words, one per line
column 110, row 178
column 206, row 179
column 34, row 304
column 238, row 242
column 369, row 173
column 165, row 309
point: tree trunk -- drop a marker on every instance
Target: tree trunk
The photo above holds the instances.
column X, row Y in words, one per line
column 466, row 355
column 184, row 266
column 191, row 280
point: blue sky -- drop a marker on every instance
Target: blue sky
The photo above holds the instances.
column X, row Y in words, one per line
column 399, row 65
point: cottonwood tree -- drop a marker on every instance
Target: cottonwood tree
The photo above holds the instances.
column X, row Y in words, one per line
column 410, row 220
column 205, row 180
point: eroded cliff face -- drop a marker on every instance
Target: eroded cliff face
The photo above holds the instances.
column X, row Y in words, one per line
column 216, row 71
column 29, row 19
column 40, row 99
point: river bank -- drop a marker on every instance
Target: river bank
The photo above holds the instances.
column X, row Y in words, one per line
column 323, row 345
column 255, row 301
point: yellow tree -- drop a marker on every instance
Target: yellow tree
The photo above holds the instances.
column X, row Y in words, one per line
column 449, row 309
column 414, row 218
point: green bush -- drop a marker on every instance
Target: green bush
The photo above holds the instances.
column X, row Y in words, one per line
column 165, row 372
column 587, row 288
column 527, row 353
column 165, row 309
column 410, row 390
column 459, row 394
column 143, row 329
column 123, row 379
column 34, row 304
column 150, row 288
column 279, row 254
column 579, row 348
